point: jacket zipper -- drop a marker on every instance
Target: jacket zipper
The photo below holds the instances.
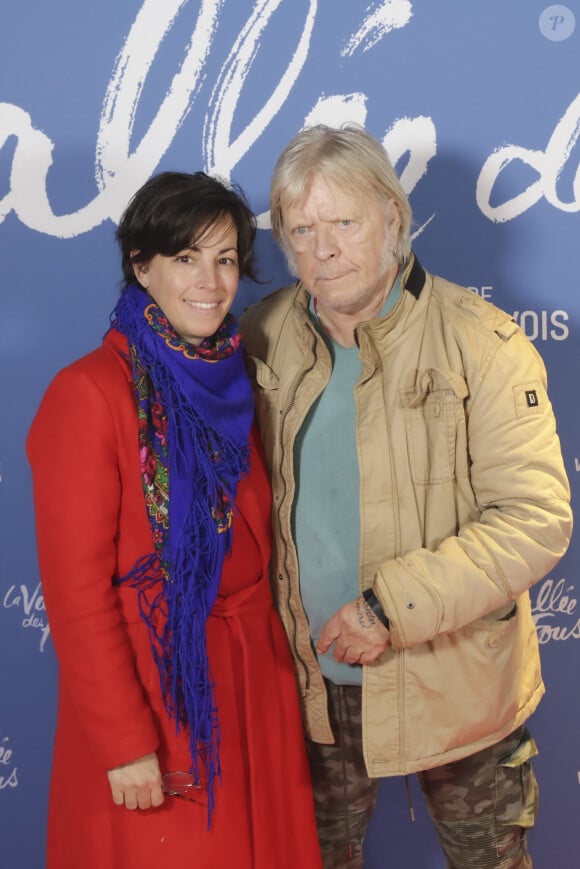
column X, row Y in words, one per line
column 295, row 387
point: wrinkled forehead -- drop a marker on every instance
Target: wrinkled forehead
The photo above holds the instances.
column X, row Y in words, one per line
column 333, row 193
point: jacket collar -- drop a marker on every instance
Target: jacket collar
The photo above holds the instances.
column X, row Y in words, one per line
column 414, row 280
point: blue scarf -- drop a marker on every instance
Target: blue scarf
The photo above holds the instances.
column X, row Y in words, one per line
column 195, row 410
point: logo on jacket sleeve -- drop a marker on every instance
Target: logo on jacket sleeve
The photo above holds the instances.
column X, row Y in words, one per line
column 530, row 398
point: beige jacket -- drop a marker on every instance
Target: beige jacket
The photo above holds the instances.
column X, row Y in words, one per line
column 464, row 504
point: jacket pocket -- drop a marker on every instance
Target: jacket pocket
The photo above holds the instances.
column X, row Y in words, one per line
column 487, row 669
column 261, row 374
column 433, row 413
column 492, row 630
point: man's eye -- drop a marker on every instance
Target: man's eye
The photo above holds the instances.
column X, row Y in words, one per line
column 346, row 222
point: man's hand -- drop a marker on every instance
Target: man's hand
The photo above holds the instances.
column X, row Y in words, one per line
column 357, row 634
column 137, row 784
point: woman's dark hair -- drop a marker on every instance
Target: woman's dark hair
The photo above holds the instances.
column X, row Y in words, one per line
column 174, row 210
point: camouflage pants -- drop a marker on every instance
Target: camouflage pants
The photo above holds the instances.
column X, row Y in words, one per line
column 481, row 806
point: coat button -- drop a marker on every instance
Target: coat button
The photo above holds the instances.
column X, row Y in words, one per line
column 493, row 642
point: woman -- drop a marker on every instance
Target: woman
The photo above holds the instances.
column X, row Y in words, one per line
column 152, row 507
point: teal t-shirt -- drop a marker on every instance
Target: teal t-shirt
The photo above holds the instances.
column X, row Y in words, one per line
column 326, row 508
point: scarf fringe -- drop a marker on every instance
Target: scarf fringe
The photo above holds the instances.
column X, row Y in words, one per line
column 194, row 429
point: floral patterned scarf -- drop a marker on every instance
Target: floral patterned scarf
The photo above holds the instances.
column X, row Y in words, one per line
column 195, row 410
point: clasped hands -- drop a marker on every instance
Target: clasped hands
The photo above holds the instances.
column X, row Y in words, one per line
column 357, row 634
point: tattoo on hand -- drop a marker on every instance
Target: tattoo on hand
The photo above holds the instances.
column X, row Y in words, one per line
column 365, row 616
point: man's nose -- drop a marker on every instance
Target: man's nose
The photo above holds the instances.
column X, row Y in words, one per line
column 325, row 245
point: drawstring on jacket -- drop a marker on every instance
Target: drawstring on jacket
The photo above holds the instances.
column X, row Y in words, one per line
column 409, row 798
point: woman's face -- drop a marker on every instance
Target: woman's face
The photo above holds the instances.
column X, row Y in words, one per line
column 196, row 287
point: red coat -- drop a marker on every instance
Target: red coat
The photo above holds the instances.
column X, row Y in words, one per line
column 91, row 527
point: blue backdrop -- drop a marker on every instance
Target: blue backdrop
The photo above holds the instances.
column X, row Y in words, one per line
column 478, row 105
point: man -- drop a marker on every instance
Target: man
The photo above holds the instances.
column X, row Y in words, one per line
column 419, row 491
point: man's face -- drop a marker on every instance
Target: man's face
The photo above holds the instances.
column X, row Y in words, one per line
column 342, row 243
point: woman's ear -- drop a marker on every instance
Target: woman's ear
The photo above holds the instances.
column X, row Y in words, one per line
column 140, row 269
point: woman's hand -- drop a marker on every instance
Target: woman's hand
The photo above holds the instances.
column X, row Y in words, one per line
column 137, row 784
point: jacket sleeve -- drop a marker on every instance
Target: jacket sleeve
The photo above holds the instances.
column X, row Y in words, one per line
column 72, row 448
column 521, row 489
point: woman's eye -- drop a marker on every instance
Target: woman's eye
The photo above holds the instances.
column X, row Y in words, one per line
column 300, row 230
column 227, row 261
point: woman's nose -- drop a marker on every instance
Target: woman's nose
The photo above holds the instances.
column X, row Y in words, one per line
column 207, row 274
